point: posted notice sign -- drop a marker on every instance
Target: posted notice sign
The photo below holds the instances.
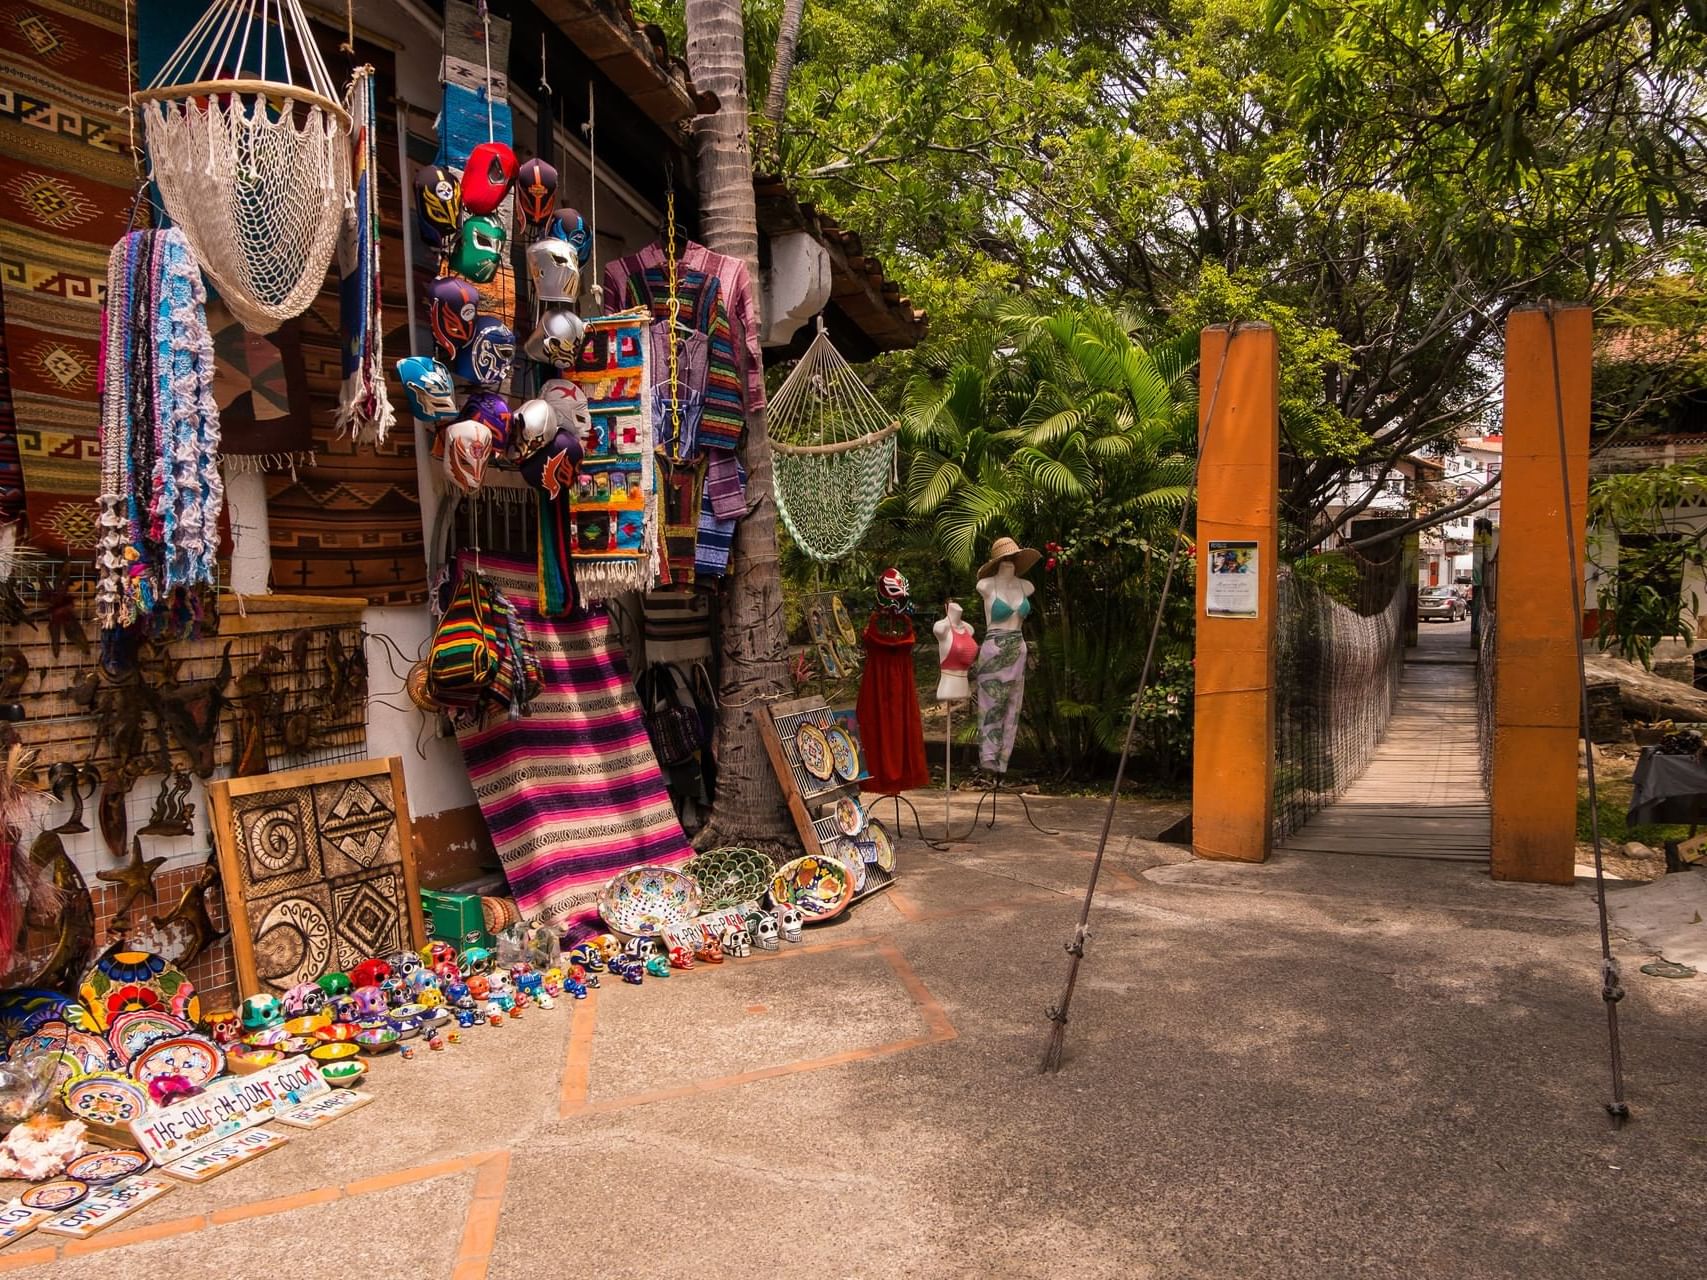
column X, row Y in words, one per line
column 1234, row 580
column 225, row 1107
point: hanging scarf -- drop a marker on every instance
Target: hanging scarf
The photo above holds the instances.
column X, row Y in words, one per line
column 364, row 408
column 161, row 491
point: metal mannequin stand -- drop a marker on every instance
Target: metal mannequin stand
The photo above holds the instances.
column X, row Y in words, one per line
column 990, row 793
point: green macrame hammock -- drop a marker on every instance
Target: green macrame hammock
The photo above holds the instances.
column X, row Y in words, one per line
column 834, row 452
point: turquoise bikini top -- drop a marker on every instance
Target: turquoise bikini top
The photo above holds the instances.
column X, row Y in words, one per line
column 1001, row 610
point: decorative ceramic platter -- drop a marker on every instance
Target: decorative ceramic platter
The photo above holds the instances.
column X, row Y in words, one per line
column 844, row 623
column 23, row 1009
column 878, row 835
column 814, row 748
column 848, row 853
column 91, row 1052
column 105, row 1097
column 107, row 1166
column 644, row 901
column 61, row 1193
column 850, row 818
column 729, row 877
column 125, row 980
column 131, row 1033
column 819, row 887
column 196, row 1058
column 844, row 752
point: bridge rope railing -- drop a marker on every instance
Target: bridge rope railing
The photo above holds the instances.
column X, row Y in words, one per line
column 1337, row 680
column 1487, row 626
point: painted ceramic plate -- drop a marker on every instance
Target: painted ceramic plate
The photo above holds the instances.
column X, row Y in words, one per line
column 878, row 834
column 107, row 1166
column 819, row 887
column 844, row 752
column 126, row 980
column 848, row 852
column 105, row 1097
column 644, row 901
column 844, row 623
column 814, row 749
column 130, row 1033
column 23, row 1009
column 61, row 1193
column 850, row 818
column 196, row 1058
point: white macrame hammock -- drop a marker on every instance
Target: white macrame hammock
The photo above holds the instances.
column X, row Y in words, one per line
column 254, row 170
column 834, row 448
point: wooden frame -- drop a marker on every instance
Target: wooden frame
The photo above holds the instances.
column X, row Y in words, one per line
column 224, row 814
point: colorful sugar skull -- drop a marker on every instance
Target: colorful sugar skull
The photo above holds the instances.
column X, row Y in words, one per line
column 446, row 971
column 536, row 190
column 628, row 969
column 431, row 998
column 396, row 992
column 500, row 982
column 456, row 991
column 479, row 987
column 709, row 952
column 423, row 980
column 545, row 1001
column 737, row 942
column 452, row 308
column 487, row 176
column 575, row 990
column 370, row 973
column 556, row 339
column 225, row 1026
column 404, row 963
column 436, row 953
column 489, row 354
column 657, row 966
column 479, row 249
column 467, row 1017
column 370, row 1002
column 789, row 920
column 554, row 269
column 643, row 948
column 608, row 946
column 260, row 1012
column 304, row 1000
column 553, row 980
column 344, row 1008
column 438, row 204
column 531, row 985
column 334, row 984
column 586, row 955
column 427, row 384
column 681, row 958
column 468, row 448
column 767, row 937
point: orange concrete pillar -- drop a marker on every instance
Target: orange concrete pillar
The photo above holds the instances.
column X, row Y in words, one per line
column 1536, row 696
column 1238, row 500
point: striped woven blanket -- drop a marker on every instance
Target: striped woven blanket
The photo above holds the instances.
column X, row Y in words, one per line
column 571, row 792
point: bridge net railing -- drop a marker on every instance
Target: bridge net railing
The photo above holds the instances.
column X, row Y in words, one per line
column 1337, row 679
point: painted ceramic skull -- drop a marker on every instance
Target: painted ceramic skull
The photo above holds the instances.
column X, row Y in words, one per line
column 423, row 980
column 344, row 1008
column 370, row 973
column 657, row 966
column 334, row 984
column 500, row 982
column 737, row 942
column 304, row 1000
column 475, row 960
column 446, row 971
column 555, row 270
column 431, row 998
column 789, row 920
column 226, row 1027
column 456, row 992
column 586, row 955
column 396, row 992
column 436, row 953
column 608, row 946
column 261, row 1012
column 404, row 963
column 479, row 987
column 710, row 952
column 370, row 1002
column 680, row 958
column 766, row 938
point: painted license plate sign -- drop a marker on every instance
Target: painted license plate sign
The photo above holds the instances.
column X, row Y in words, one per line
column 107, row 1205
column 226, row 1107
column 311, row 1115
column 18, row 1220
column 223, row 1157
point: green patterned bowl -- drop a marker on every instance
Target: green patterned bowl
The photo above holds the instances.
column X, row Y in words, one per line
column 730, row 877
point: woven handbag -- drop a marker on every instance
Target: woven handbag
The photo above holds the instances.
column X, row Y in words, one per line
column 468, row 648
column 672, row 725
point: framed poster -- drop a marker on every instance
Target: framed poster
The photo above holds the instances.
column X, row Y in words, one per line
column 1234, row 580
column 318, row 868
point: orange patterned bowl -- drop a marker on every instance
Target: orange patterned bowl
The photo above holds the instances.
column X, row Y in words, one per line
column 337, row 1033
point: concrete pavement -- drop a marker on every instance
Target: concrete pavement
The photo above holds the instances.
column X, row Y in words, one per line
column 1323, row 1066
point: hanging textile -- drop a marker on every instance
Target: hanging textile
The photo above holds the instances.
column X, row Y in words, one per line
column 364, row 408
column 161, row 491
column 891, row 730
column 611, row 502
column 11, row 473
column 477, row 51
column 572, row 794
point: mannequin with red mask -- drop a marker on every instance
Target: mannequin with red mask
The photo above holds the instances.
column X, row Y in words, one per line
column 890, row 728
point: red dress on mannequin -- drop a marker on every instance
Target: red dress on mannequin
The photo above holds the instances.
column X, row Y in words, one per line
column 891, row 733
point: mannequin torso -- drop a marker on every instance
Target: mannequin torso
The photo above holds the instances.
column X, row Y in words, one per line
column 956, row 650
column 1007, row 598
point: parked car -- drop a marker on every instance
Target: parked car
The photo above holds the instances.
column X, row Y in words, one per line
column 1440, row 604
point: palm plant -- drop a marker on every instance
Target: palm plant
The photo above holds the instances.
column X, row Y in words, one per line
column 1060, row 429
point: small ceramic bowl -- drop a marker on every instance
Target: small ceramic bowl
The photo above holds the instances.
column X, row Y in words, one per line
column 309, row 1025
column 337, row 1033
column 334, row 1052
column 434, row 1018
column 296, row 1044
column 377, row 1039
column 246, row 1061
column 266, row 1037
column 341, row 1075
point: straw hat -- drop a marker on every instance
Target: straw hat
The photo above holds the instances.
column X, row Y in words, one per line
column 1008, row 549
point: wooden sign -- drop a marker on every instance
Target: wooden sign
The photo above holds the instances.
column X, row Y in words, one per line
column 18, row 1220
column 226, row 1107
column 222, row 1157
column 106, row 1205
column 324, row 1110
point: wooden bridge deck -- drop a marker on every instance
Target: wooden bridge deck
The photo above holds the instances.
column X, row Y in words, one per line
column 1422, row 795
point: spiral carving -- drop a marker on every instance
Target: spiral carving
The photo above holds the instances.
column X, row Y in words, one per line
column 276, row 840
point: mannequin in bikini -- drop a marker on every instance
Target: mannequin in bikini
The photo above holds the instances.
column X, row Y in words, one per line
column 1001, row 660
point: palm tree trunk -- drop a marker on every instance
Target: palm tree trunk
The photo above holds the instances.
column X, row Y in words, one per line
column 748, row 806
column 787, row 37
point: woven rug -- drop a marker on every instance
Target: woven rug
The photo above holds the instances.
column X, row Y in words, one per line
column 572, row 793
column 65, row 193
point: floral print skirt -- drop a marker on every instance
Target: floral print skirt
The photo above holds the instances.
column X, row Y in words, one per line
column 1001, row 686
